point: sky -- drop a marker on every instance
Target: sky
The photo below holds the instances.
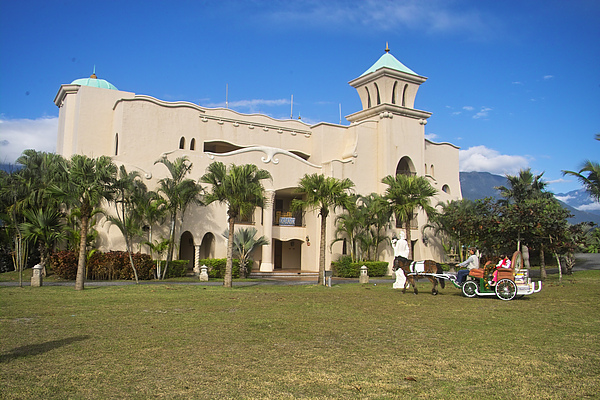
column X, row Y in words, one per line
column 514, row 84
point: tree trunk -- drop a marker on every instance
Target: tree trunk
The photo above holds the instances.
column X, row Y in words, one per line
column 525, row 254
column 80, row 279
column 228, row 278
column 559, row 268
column 171, row 245
column 543, row 274
column 322, row 243
column 409, row 241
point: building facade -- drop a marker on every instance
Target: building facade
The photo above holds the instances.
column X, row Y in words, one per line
column 386, row 137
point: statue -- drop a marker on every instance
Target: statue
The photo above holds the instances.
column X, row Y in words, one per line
column 400, row 246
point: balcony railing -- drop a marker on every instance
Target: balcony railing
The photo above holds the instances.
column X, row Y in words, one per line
column 287, row 218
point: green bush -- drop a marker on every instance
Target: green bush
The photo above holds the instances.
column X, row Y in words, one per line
column 176, row 269
column 64, row 264
column 345, row 268
column 216, row 267
column 115, row 265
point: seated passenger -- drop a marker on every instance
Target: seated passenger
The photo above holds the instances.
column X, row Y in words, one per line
column 503, row 263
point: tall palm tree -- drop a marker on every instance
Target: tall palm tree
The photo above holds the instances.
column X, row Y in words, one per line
column 84, row 183
column 407, row 194
column 322, row 193
column 591, row 181
column 178, row 193
column 524, row 186
column 126, row 187
column 244, row 243
column 240, row 188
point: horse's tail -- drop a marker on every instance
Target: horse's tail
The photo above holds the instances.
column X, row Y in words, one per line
column 441, row 271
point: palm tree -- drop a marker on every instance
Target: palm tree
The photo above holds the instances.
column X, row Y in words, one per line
column 84, row 183
column 43, row 227
column 178, row 193
column 126, row 187
column 524, row 186
column 241, row 189
column 407, row 194
column 322, row 193
column 244, row 243
column 591, row 182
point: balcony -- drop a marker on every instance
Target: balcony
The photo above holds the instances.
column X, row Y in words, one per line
column 287, row 218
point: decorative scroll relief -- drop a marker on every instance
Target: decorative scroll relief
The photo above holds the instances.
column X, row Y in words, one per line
column 269, row 152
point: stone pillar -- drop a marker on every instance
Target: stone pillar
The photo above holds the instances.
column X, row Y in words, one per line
column 203, row 273
column 196, row 257
column 36, row 279
column 364, row 276
column 267, row 250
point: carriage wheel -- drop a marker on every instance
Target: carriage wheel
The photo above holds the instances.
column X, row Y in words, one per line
column 469, row 289
column 506, row 289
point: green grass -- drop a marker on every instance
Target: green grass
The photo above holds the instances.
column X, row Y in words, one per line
column 287, row 342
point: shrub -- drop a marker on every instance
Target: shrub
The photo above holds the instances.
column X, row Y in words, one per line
column 345, row 268
column 116, row 265
column 177, row 268
column 216, row 267
column 64, row 264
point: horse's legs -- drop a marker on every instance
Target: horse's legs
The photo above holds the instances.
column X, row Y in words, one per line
column 412, row 282
column 434, row 282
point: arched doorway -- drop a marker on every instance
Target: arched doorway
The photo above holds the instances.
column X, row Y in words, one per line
column 288, row 254
column 207, row 248
column 186, row 248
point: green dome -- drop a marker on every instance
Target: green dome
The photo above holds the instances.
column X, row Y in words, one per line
column 389, row 61
column 93, row 81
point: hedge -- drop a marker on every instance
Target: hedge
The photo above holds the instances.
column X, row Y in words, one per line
column 345, row 268
column 216, row 267
column 103, row 266
column 176, row 269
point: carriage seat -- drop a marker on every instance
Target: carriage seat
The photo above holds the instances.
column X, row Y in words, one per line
column 503, row 273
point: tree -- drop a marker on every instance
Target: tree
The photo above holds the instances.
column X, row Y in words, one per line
column 407, row 194
column 589, row 176
column 240, row 188
column 127, row 186
column 524, row 186
column 83, row 184
column 322, row 193
column 178, row 193
column 43, row 227
column 244, row 243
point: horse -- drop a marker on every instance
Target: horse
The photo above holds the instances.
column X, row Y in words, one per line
column 426, row 267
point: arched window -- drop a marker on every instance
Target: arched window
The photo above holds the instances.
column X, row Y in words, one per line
column 425, row 169
column 368, row 98
column 193, row 144
column 405, row 166
column 446, row 189
column 182, row 143
column 404, row 95
column 378, row 97
column 116, row 144
column 394, row 93
column 431, row 170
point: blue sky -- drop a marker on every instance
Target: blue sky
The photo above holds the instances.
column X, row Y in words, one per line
column 515, row 84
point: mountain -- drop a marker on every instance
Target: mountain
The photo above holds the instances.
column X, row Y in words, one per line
column 479, row 185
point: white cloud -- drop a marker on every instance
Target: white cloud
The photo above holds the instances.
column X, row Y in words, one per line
column 589, row 207
column 253, row 105
column 482, row 159
column 564, row 199
column 430, row 136
column 546, row 77
column 17, row 135
column 425, row 15
column 468, row 108
column 483, row 113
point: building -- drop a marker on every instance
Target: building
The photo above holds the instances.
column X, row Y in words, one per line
column 386, row 137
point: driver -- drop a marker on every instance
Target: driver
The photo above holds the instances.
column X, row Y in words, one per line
column 471, row 263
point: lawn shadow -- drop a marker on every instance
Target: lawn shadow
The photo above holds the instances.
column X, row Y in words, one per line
column 37, row 349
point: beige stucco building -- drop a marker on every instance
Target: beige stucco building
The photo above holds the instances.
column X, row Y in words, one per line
column 386, row 137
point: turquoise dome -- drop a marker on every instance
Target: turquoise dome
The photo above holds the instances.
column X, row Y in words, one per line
column 93, row 81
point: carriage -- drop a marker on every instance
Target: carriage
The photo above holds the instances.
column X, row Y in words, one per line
column 512, row 282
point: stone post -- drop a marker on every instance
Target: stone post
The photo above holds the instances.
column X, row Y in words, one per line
column 364, row 277
column 36, row 279
column 204, row 273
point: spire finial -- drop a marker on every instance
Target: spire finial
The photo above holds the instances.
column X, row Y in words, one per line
column 93, row 76
column 387, row 48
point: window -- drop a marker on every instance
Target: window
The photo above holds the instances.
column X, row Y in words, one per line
column 404, row 95
column 182, row 143
column 116, row 144
column 394, row 93
column 446, row 189
column 368, row 98
column 193, row 144
column 378, row 97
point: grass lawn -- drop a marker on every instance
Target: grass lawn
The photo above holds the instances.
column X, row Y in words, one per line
column 286, row 342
